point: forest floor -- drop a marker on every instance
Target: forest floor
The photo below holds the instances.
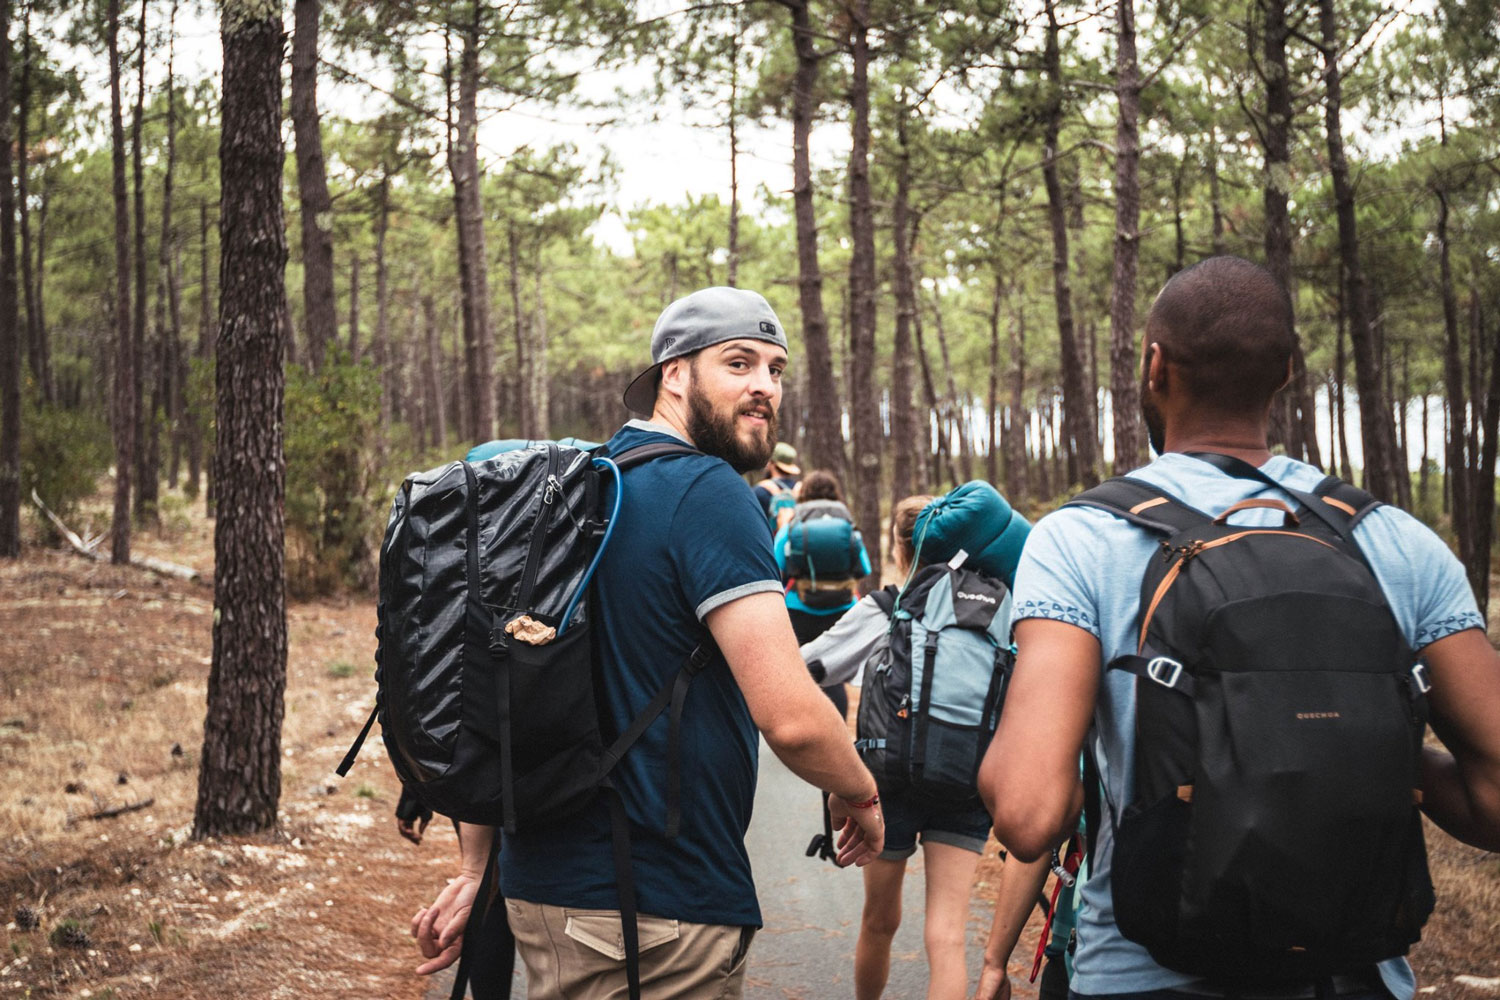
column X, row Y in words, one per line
column 103, row 674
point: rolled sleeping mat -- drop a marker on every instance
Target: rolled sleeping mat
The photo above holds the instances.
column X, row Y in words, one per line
column 976, row 518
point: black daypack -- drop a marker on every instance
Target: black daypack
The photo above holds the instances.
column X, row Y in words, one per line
column 487, row 728
column 932, row 695
column 1273, row 834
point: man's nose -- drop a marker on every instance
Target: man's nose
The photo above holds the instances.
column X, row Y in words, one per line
column 763, row 383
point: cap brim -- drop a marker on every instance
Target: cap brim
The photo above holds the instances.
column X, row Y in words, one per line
column 640, row 395
column 788, row 470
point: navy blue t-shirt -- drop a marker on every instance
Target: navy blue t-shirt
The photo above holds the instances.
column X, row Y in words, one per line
column 690, row 537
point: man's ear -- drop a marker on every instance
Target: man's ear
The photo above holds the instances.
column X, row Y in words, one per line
column 1156, row 367
column 675, row 376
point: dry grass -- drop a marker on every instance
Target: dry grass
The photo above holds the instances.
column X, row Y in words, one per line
column 102, row 683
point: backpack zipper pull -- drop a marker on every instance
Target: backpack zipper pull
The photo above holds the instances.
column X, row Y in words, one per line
column 1191, row 550
column 904, row 708
column 554, row 486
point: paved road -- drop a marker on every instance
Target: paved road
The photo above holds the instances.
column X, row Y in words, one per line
column 811, row 909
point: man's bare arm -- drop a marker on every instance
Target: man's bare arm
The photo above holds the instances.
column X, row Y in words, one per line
column 1461, row 788
column 797, row 719
column 1029, row 778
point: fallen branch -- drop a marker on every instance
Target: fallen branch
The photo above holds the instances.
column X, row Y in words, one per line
column 159, row 566
column 122, row 810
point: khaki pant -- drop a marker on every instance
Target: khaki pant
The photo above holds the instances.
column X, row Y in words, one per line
column 580, row 955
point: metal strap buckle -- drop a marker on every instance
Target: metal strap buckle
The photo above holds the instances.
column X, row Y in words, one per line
column 1164, row 670
column 1420, row 677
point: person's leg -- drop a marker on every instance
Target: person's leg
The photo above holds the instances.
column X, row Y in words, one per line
column 877, row 926
column 950, row 875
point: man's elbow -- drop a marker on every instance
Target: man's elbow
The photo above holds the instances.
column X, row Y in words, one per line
column 793, row 733
column 1023, row 833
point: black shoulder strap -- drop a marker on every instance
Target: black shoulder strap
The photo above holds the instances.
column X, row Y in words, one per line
column 885, row 599
column 1345, row 498
column 1142, row 504
column 643, row 453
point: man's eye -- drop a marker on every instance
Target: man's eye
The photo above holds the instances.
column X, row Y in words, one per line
column 738, row 365
column 776, row 371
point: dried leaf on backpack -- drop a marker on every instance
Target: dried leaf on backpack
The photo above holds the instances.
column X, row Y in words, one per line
column 530, row 631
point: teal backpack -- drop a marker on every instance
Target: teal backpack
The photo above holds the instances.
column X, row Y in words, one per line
column 822, row 553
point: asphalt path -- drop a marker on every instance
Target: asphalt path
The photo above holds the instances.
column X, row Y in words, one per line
column 810, row 909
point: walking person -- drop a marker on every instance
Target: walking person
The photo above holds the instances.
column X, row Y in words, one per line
column 1290, row 618
column 777, row 493
column 822, row 557
column 968, row 650
column 689, row 562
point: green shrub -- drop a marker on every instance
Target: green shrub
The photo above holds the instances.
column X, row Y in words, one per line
column 63, row 454
column 333, row 512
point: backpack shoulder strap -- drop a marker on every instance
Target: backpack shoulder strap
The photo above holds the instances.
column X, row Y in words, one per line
column 885, row 599
column 1345, row 498
column 1142, row 504
column 643, row 453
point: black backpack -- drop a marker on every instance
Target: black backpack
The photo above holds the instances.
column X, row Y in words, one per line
column 932, row 694
column 483, row 726
column 1274, row 832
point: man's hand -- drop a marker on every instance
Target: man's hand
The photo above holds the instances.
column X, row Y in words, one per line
column 861, row 831
column 412, row 830
column 994, row 984
column 439, row 928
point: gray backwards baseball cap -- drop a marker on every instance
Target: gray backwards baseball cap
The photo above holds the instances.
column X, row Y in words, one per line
column 702, row 319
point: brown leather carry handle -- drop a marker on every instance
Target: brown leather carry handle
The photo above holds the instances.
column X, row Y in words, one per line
column 1291, row 520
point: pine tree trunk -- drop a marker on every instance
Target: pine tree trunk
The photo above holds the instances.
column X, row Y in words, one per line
column 1018, row 481
column 381, row 348
column 10, row 328
column 1484, row 480
column 1129, row 436
column 1457, row 475
column 354, row 306
column 865, row 402
column 124, row 374
column 733, row 277
column 941, row 463
column 195, row 429
column 1215, row 205
column 1422, row 474
column 1376, row 429
column 169, row 328
column 1278, row 180
column 825, row 436
column 318, row 316
column 992, row 399
column 952, row 404
column 434, row 372
column 536, row 356
column 239, row 779
column 36, row 345
column 1078, row 411
column 525, row 411
column 903, row 419
column 145, row 425
column 465, row 169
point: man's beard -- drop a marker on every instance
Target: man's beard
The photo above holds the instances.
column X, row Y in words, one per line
column 715, row 434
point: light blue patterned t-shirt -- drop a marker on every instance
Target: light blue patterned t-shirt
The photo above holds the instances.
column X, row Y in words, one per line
column 1084, row 566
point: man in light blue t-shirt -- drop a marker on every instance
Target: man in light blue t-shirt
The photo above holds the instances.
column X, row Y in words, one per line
column 1218, row 346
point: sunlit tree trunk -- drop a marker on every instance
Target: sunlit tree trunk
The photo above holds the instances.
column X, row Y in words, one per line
column 318, row 317
column 10, row 328
column 124, row 374
column 1129, row 436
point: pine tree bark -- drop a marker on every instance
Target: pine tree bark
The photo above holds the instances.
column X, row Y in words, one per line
column 1018, row 481
column 903, row 419
column 825, row 436
column 239, row 779
column 464, row 165
column 146, row 490
column 1078, row 410
column 1376, row 427
column 1484, row 480
column 433, row 370
column 1457, row 476
column 1129, row 437
column 124, row 374
column 38, row 357
column 354, row 346
column 536, row 353
column 381, row 348
column 10, row 327
column 169, row 283
column 319, row 319
column 525, row 411
column 868, row 433
column 993, row 428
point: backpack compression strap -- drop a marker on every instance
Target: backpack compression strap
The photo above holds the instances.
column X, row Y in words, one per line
column 1333, row 501
column 1142, row 504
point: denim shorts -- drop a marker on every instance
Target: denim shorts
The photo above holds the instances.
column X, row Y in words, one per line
column 907, row 814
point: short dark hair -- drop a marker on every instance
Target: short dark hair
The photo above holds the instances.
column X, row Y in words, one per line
column 820, row 484
column 1227, row 324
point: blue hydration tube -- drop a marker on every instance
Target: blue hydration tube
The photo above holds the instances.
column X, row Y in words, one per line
column 609, row 530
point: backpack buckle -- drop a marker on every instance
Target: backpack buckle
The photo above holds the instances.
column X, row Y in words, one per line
column 1164, row 670
column 1420, row 678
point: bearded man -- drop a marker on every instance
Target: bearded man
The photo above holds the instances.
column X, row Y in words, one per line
column 690, row 559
